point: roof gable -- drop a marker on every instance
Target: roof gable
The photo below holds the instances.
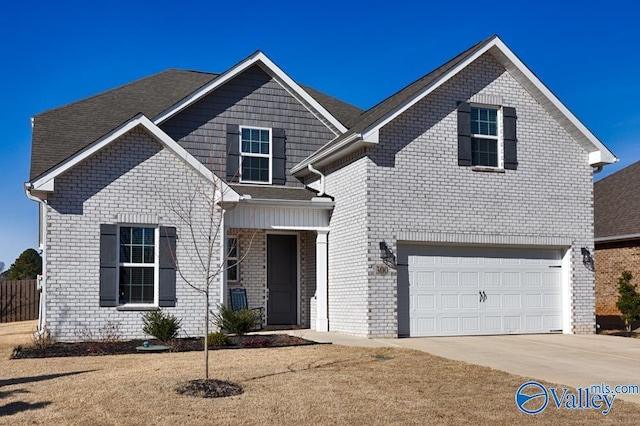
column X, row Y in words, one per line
column 260, row 59
column 46, row 182
column 365, row 129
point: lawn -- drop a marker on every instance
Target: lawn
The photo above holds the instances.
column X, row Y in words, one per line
column 322, row 384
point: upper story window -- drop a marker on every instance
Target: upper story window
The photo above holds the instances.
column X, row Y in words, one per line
column 138, row 265
column 255, row 155
column 485, row 141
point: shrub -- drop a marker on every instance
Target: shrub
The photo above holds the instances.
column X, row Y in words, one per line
column 163, row 327
column 218, row 339
column 629, row 300
column 235, row 322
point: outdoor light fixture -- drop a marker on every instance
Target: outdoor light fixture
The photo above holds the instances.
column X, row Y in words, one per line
column 387, row 255
column 587, row 259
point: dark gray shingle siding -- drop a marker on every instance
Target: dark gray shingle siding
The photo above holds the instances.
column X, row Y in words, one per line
column 253, row 98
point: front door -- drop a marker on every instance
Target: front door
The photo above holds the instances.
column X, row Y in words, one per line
column 282, row 279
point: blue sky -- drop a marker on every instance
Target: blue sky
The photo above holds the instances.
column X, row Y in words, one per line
column 54, row 53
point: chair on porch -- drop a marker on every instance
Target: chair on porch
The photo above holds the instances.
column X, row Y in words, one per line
column 239, row 301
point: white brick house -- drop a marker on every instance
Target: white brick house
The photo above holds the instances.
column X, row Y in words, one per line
column 459, row 205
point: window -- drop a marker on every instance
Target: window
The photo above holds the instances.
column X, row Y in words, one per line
column 137, row 265
column 484, row 137
column 255, row 155
column 232, row 259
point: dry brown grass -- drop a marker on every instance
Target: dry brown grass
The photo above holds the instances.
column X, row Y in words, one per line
column 326, row 384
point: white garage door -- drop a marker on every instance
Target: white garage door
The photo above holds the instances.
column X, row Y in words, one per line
column 467, row 291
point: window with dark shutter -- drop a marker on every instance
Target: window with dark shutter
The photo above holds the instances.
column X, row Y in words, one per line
column 108, row 265
column 510, row 138
column 167, row 267
column 233, row 153
column 464, row 134
column 279, row 157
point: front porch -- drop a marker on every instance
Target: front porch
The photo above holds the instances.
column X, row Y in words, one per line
column 280, row 238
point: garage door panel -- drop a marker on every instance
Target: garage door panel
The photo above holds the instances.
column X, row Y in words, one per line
column 511, row 301
column 458, row 291
column 470, row 301
column 449, row 301
column 471, row 325
column 449, row 279
column 450, row 324
column 469, row 279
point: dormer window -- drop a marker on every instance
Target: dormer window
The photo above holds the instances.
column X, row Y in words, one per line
column 255, row 155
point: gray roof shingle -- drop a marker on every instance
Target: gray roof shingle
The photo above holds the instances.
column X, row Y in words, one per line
column 390, row 104
column 616, row 200
column 274, row 192
column 61, row 132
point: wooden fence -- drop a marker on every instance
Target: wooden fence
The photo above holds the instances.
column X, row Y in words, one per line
column 19, row 300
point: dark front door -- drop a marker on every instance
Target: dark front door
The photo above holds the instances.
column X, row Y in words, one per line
column 282, row 279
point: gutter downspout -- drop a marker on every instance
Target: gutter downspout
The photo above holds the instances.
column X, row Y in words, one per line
column 42, row 278
column 317, row 172
column 597, row 169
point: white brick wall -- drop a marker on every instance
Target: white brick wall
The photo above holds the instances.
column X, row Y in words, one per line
column 410, row 188
column 415, row 187
column 134, row 175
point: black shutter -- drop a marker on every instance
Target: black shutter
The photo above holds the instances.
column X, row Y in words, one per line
column 167, row 266
column 279, row 171
column 464, row 134
column 510, row 139
column 233, row 153
column 108, row 264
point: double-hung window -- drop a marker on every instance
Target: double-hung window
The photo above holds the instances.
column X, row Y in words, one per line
column 138, row 265
column 232, row 259
column 255, row 155
column 485, row 138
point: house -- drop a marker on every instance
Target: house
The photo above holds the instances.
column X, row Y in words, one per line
column 459, row 205
column 617, row 238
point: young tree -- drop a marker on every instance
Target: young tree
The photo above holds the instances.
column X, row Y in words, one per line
column 629, row 300
column 27, row 266
column 200, row 221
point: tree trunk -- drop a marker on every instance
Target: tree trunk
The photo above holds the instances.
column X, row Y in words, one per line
column 206, row 336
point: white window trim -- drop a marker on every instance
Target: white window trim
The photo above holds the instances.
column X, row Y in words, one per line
column 237, row 265
column 269, row 156
column 156, row 268
column 499, row 138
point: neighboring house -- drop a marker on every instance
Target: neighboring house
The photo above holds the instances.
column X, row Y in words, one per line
column 458, row 205
column 617, row 237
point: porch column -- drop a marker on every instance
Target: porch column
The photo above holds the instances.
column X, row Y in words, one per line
column 322, row 318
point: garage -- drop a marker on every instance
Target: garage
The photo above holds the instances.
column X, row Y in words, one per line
column 454, row 291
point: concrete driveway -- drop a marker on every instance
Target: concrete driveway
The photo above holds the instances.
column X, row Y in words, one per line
column 576, row 361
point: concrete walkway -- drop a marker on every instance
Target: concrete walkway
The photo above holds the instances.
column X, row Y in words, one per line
column 576, row 361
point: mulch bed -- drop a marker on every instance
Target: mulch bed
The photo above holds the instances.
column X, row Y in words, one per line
column 209, row 388
column 60, row 349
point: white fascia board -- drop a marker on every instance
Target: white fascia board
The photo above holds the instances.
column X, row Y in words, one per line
column 257, row 58
column 605, row 156
column 323, row 153
column 617, row 238
column 45, row 183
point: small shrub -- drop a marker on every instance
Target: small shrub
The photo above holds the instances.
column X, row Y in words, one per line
column 235, row 322
column 163, row 327
column 42, row 340
column 629, row 300
column 256, row 342
column 218, row 339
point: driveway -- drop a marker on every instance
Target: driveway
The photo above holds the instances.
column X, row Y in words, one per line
column 571, row 360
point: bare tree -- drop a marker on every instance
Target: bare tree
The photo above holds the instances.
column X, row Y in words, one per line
column 201, row 221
